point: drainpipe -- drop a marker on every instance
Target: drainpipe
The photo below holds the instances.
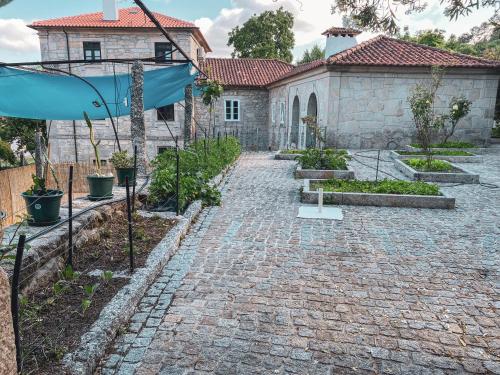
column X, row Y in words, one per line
column 74, row 122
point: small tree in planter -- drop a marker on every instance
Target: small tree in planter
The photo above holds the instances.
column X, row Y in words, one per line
column 212, row 91
column 124, row 165
column 459, row 108
column 100, row 185
column 311, row 123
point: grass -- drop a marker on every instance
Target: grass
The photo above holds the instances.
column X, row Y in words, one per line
column 438, row 153
column 451, row 144
column 292, row 152
column 436, row 165
column 378, row 187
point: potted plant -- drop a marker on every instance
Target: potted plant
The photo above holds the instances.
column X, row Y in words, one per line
column 100, row 185
column 124, row 165
column 43, row 205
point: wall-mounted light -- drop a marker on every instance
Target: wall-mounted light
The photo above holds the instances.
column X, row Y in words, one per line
column 96, row 104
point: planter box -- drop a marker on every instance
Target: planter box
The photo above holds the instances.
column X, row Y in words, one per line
column 317, row 174
column 281, row 156
column 474, row 150
column 378, row 200
column 495, row 141
column 451, row 159
column 460, row 176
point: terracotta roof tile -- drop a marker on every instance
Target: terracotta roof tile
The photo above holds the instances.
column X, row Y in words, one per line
column 128, row 17
column 385, row 51
column 302, row 68
column 341, row 31
column 245, row 72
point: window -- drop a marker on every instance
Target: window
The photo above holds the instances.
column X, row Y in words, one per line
column 282, row 112
column 232, row 110
column 92, row 50
column 166, row 113
column 163, row 52
column 273, row 113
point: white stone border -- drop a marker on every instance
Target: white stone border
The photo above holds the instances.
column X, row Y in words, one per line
column 451, row 158
column 93, row 344
column 378, row 200
column 282, row 156
column 318, row 174
column 462, row 177
column 474, row 150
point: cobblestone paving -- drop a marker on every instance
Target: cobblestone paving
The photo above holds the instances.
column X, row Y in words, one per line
column 255, row 290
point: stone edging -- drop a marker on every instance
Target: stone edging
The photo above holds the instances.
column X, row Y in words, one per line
column 474, row 150
column 120, row 309
column 450, row 158
column 281, row 156
column 324, row 174
column 379, row 200
column 463, row 177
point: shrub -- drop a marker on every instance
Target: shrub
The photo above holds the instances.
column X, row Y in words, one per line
column 435, row 165
column 122, row 159
column 328, row 159
column 379, row 187
column 200, row 162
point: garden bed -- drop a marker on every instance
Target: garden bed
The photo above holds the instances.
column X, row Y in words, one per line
column 366, row 193
column 288, row 154
column 456, row 175
column 318, row 174
column 54, row 318
column 472, row 150
column 448, row 155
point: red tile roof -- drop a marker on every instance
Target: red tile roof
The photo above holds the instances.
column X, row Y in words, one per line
column 341, row 31
column 128, row 17
column 245, row 72
column 302, row 68
column 385, row 51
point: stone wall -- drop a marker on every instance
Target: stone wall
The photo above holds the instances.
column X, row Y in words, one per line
column 114, row 44
column 7, row 343
column 252, row 128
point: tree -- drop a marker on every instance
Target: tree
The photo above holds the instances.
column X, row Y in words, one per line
column 381, row 15
column 6, row 154
column 268, row 35
column 21, row 132
column 4, row 2
column 316, row 53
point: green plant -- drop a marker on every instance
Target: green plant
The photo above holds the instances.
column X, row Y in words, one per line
column 328, row 159
column 121, row 159
column 378, row 187
column 6, row 154
column 495, row 132
column 449, row 144
column 210, row 196
column 437, row 153
column 95, row 145
column 311, row 123
column 434, row 166
column 107, row 276
column 89, row 291
column 459, row 108
column 69, row 274
column 211, row 92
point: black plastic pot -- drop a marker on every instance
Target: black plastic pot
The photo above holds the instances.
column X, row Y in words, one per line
column 122, row 173
column 100, row 187
column 43, row 209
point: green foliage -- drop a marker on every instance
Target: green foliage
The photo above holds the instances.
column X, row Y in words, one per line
column 440, row 153
column 454, row 144
column 316, row 53
column 121, row 159
column 434, row 166
column 212, row 91
column 6, row 154
column 495, row 132
column 39, row 187
column 197, row 164
column 107, row 275
column 379, row 187
column 210, row 196
column 267, row 35
column 69, row 274
column 328, row 159
column 95, row 145
column 292, row 152
column 21, row 132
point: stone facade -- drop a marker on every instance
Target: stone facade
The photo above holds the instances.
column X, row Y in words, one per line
column 251, row 128
column 364, row 108
column 114, row 44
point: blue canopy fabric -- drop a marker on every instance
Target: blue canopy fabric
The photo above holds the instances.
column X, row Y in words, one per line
column 44, row 96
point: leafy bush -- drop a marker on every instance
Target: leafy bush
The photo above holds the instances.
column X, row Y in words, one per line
column 379, row 187
column 200, row 162
column 122, row 159
column 435, row 165
column 495, row 132
column 328, row 159
column 6, row 153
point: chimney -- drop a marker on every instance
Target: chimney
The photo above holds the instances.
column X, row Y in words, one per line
column 110, row 10
column 339, row 39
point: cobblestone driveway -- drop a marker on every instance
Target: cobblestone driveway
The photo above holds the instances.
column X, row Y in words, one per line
column 254, row 290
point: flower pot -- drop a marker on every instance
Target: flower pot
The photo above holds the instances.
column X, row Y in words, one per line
column 43, row 209
column 100, row 187
column 122, row 173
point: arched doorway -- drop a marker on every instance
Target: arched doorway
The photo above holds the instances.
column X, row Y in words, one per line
column 312, row 110
column 294, row 133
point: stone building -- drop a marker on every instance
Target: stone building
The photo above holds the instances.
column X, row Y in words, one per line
column 358, row 94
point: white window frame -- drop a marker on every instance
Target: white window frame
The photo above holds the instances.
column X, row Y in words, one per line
column 231, row 113
column 282, row 112
column 273, row 112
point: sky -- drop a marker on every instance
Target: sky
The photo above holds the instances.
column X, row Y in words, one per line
column 214, row 17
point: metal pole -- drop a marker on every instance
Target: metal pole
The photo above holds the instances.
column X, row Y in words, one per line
column 320, row 200
column 177, row 180
column 135, row 178
column 378, row 161
column 14, row 306
column 70, row 217
column 129, row 217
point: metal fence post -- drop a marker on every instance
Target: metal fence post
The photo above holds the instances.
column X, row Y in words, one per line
column 135, row 178
column 177, row 181
column 14, row 306
column 378, row 162
column 70, row 217
column 129, row 217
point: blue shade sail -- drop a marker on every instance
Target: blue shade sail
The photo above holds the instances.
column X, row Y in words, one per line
column 46, row 96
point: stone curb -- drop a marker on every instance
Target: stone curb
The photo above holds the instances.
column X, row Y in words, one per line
column 119, row 310
column 475, row 150
column 316, row 174
column 463, row 177
column 378, row 200
column 450, row 158
column 281, row 156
